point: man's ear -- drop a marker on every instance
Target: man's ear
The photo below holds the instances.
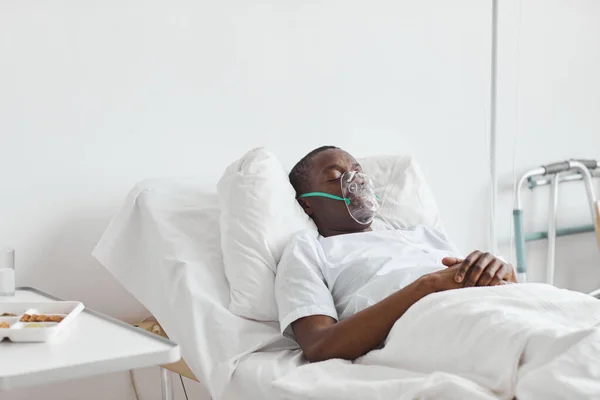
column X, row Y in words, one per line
column 305, row 204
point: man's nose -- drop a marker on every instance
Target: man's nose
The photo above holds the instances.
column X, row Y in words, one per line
column 359, row 179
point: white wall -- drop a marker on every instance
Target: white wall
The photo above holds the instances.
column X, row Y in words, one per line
column 97, row 96
column 94, row 97
column 549, row 97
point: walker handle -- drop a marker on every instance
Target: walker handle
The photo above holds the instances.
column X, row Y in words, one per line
column 563, row 166
column 555, row 168
column 589, row 164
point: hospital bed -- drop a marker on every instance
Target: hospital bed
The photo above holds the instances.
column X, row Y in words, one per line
column 165, row 247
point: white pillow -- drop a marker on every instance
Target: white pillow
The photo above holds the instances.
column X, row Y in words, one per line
column 406, row 199
column 259, row 215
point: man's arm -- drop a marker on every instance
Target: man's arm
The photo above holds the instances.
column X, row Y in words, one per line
column 321, row 338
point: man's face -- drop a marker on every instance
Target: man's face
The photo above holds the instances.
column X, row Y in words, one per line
column 324, row 175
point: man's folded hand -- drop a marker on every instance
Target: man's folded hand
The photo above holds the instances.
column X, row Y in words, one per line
column 481, row 269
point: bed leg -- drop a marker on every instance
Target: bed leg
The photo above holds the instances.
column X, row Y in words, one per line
column 166, row 385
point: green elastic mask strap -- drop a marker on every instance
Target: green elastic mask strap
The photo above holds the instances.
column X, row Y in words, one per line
column 329, row 196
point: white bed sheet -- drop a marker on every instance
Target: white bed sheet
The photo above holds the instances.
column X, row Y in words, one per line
column 529, row 341
column 163, row 246
column 255, row 374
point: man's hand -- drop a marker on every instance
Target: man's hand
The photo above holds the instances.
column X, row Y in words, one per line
column 481, row 269
column 442, row 280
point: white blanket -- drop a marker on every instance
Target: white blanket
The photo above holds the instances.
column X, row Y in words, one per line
column 531, row 341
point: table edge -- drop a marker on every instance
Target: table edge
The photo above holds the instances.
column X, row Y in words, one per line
column 171, row 354
column 105, row 317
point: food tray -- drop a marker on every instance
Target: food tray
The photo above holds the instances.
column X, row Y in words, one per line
column 49, row 318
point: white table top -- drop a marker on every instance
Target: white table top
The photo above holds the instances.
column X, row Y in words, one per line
column 92, row 344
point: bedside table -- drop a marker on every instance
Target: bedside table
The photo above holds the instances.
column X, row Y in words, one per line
column 150, row 324
column 93, row 344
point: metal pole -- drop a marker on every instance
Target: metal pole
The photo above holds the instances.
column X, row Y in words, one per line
column 526, row 175
column 519, row 224
column 597, row 222
column 568, row 231
column 493, row 240
column 166, row 385
column 553, row 213
column 587, row 180
column 543, row 180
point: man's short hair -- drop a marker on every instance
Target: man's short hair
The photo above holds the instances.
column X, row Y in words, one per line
column 299, row 174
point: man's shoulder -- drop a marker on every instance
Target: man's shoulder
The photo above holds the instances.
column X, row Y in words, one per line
column 305, row 236
column 301, row 243
column 301, row 252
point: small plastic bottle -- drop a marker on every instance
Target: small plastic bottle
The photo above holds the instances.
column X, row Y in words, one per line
column 7, row 272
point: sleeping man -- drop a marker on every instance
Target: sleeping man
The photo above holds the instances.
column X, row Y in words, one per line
column 340, row 293
column 351, row 289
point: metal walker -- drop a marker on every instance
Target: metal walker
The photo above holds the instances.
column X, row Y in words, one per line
column 553, row 175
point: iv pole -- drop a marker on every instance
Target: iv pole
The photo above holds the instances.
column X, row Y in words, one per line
column 492, row 238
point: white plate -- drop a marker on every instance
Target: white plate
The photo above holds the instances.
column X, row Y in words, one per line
column 36, row 331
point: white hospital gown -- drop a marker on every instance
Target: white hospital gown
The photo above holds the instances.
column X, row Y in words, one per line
column 341, row 275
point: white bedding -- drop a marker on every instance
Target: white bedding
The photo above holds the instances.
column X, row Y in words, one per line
column 462, row 344
column 164, row 247
column 255, row 373
column 531, row 341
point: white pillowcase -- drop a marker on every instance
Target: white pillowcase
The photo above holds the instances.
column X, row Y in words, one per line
column 406, row 199
column 259, row 215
